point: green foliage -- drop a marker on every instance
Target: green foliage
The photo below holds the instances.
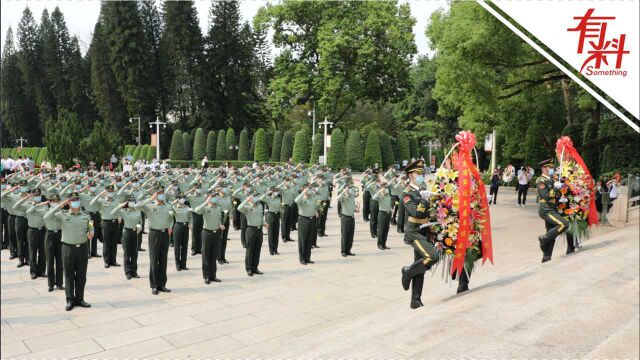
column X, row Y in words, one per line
column 316, row 149
column 337, row 158
column 276, row 146
column 187, row 145
column 404, row 150
column 136, row 152
column 534, row 153
column 372, row 154
column 231, row 142
column 176, row 151
column 211, row 145
column 287, row 146
column 338, row 53
column 355, row 159
column 144, row 151
column 414, row 148
column 261, row 151
column 61, row 137
column 301, row 147
column 590, row 153
column 221, row 146
column 621, row 145
column 151, row 153
column 386, row 150
column 243, row 147
column 199, row 145
column 253, row 146
column 99, row 145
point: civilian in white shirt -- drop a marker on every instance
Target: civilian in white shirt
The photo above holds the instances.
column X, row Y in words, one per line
column 524, row 176
column 126, row 166
column 9, row 165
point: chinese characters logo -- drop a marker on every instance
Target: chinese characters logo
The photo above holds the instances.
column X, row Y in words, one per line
column 593, row 35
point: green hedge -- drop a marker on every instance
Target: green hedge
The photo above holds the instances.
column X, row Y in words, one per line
column 196, row 164
column 38, row 154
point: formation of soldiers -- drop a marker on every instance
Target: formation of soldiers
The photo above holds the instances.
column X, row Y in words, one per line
column 53, row 221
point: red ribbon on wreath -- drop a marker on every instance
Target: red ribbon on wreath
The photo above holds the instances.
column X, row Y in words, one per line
column 466, row 170
column 571, row 152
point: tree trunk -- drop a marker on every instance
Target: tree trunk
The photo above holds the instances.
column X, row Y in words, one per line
column 566, row 94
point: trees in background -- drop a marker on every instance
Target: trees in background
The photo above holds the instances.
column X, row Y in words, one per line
column 276, row 146
column 287, row 146
column 176, row 151
column 336, row 157
column 199, row 145
column 211, row 145
column 301, row 147
column 243, row 146
column 221, row 146
column 372, row 154
column 261, row 151
column 316, row 149
column 355, row 159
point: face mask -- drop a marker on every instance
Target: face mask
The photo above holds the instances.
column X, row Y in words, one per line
column 131, row 204
column 110, row 195
column 352, row 192
column 23, row 189
column 249, row 190
column 53, row 204
column 37, row 198
column 135, row 185
column 175, row 188
column 75, row 204
column 92, row 189
column 213, row 201
column 161, row 197
column 198, row 191
column 119, row 184
column 551, row 172
column 64, row 183
column 276, row 194
column 225, row 191
column 78, row 187
column 181, row 200
column 419, row 179
column 4, row 186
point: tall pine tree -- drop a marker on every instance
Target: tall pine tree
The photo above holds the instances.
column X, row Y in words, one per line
column 152, row 27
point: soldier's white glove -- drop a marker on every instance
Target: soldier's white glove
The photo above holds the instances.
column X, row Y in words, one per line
column 426, row 194
column 557, row 184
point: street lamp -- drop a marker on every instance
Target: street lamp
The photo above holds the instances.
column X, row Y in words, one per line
column 157, row 123
column 325, row 123
column 313, row 127
column 131, row 119
column 22, row 141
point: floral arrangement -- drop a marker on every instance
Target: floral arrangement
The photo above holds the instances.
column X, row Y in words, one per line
column 575, row 198
column 445, row 211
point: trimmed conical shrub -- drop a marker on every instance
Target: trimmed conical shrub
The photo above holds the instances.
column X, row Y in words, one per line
column 151, row 153
column 372, row 153
column 386, row 150
column 287, row 146
column 336, row 154
column 316, row 149
column 136, row 152
column 276, row 146
column 261, row 149
column 403, row 147
column 211, row 145
column 252, row 149
column 243, row 146
column 199, row 145
column 221, row 146
column 301, row 147
column 355, row 159
column 231, row 141
column 188, row 149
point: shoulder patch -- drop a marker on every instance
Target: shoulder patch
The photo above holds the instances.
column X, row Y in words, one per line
column 541, row 186
column 406, row 199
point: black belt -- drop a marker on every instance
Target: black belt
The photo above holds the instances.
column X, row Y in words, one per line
column 108, row 220
column 212, row 231
column 74, row 245
column 384, row 211
column 126, row 228
column 349, row 216
column 53, row 231
column 164, row 230
column 182, row 223
column 273, row 212
column 33, row 228
column 307, row 217
column 253, row 226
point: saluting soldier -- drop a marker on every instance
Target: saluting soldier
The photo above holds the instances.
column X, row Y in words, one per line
column 347, row 201
column 86, row 195
column 366, row 194
column 106, row 202
column 225, row 202
column 395, row 188
column 288, row 194
column 196, row 197
column 35, row 234
column 11, row 197
column 182, row 216
column 160, row 215
column 273, row 201
column 307, row 215
column 554, row 223
column 254, row 213
column 76, row 231
column 242, row 194
column 131, row 230
column 52, row 244
column 5, row 220
column 416, row 203
column 383, row 198
column 211, row 235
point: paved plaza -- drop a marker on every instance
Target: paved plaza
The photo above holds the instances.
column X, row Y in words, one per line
column 580, row 306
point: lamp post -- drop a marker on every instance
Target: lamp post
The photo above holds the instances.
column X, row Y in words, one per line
column 131, row 119
column 313, row 126
column 157, row 123
column 22, row 141
column 325, row 123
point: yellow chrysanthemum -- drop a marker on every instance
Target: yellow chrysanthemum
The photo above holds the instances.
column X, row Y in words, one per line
column 448, row 189
column 442, row 172
column 452, row 175
column 434, row 188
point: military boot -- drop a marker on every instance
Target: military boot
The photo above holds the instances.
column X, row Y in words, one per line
column 416, row 292
column 412, row 270
column 463, row 282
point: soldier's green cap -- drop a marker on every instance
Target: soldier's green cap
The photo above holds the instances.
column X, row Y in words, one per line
column 36, row 191
column 52, row 175
column 109, row 187
column 23, row 182
column 131, row 198
column 416, row 166
column 54, row 197
column 74, row 195
column 547, row 162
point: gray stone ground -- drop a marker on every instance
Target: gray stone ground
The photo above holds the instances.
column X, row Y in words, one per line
column 579, row 306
